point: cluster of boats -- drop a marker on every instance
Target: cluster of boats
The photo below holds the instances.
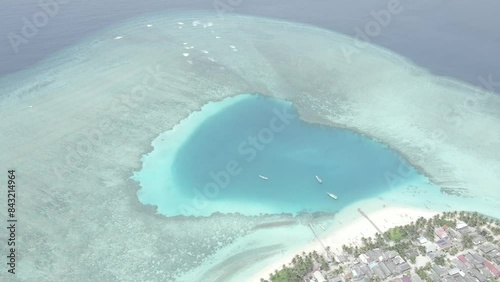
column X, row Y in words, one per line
column 317, row 178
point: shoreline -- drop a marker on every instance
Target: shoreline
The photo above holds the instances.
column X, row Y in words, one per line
column 385, row 218
column 90, row 160
column 171, row 140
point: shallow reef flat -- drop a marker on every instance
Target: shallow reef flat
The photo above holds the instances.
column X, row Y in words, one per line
column 77, row 124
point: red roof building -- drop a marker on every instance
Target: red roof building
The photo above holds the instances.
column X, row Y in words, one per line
column 406, row 279
column 441, row 233
column 462, row 259
column 492, row 268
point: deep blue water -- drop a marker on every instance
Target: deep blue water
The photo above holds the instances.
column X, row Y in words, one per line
column 351, row 166
column 456, row 38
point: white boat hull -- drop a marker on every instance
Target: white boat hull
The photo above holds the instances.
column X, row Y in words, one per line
column 332, row 195
column 319, row 179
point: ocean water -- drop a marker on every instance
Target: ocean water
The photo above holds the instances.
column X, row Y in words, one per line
column 429, row 22
column 61, row 100
column 215, row 165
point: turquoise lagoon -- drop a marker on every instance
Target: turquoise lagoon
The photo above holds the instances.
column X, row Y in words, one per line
column 212, row 160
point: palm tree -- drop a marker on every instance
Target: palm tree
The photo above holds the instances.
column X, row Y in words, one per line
column 345, row 248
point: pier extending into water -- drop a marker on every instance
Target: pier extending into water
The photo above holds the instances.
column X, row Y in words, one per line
column 374, row 225
column 317, row 238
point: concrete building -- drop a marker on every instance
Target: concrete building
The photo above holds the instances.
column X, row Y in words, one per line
column 367, row 271
column 335, row 279
column 478, row 240
column 487, row 248
column 441, row 271
column 435, row 254
column 444, row 243
column 404, row 267
column 318, row 276
column 363, row 258
column 475, row 273
column 340, row 259
column 465, row 230
column 385, row 269
column 434, row 276
column 454, row 272
column 391, row 266
column 484, row 270
column 430, row 247
column 379, row 272
column 390, row 254
column 356, row 271
column 398, row 260
column 416, row 278
column 477, row 257
column 422, row 240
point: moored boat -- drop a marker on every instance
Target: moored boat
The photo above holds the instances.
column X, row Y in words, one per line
column 332, row 195
column 319, row 179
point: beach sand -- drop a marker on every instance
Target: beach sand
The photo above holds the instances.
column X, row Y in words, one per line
column 350, row 233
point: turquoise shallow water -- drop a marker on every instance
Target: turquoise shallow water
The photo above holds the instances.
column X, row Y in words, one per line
column 82, row 87
column 216, row 166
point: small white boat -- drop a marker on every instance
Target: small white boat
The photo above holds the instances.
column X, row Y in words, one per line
column 263, row 177
column 319, row 179
column 332, row 195
column 322, row 227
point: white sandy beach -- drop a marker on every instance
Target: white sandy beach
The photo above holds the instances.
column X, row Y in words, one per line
column 351, row 234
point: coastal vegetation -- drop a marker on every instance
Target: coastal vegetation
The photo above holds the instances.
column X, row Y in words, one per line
column 436, row 242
